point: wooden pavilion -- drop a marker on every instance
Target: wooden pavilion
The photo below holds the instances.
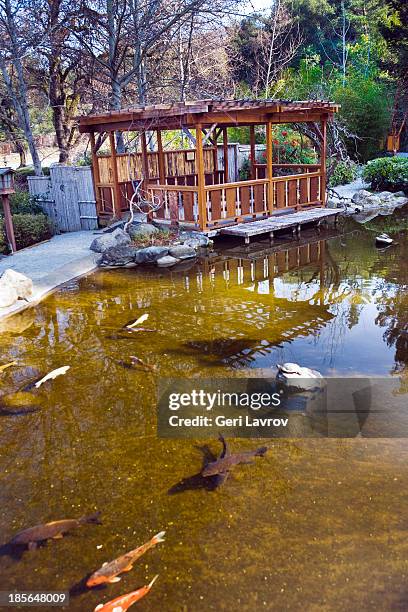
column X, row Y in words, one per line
column 190, row 187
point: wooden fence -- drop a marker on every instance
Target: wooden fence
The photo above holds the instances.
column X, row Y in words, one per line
column 67, row 196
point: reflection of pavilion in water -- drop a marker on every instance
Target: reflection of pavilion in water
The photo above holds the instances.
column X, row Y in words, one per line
column 266, row 321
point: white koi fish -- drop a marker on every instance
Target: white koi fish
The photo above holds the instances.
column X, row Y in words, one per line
column 52, row 375
column 138, row 321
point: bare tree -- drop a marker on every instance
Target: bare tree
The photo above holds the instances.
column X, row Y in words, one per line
column 122, row 37
column 60, row 68
column 10, row 127
column 17, row 39
column 278, row 43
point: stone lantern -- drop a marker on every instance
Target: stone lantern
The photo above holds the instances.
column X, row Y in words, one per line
column 6, row 188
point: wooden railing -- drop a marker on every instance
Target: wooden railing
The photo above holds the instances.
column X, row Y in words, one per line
column 285, row 169
column 231, row 202
column 243, row 201
column 236, row 202
column 177, row 203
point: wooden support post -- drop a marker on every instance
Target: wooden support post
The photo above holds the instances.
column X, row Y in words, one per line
column 145, row 163
column 160, row 155
column 215, row 157
column 322, row 266
column 269, row 166
column 116, row 188
column 8, row 222
column 202, row 207
column 96, row 177
column 323, row 153
column 225, row 146
column 145, row 170
column 253, row 151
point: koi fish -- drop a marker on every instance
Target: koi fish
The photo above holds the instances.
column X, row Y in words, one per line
column 221, row 477
column 108, row 573
column 128, row 334
column 7, row 365
column 123, row 603
column 136, row 363
column 138, row 321
column 226, row 463
column 51, row 376
column 51, row 531
column 18, row 411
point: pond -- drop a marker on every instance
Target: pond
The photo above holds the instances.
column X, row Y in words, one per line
column 319, row 524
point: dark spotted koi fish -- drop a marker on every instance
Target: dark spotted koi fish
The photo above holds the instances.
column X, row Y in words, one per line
column 51, row 531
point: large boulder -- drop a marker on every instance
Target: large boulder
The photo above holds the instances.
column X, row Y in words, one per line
column 139, row 230
column 110, row 240
column 21, row 283
column 372, row 201
column 182, row 251
column 150, row 254
column 167, row 261
column 8, row 295
column 119, row 256
column 385, row 196
column 360, row 196
column 195, row 239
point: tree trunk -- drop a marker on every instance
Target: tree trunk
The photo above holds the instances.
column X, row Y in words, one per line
column 22, row 154
column 19, row 95
column 115, row 104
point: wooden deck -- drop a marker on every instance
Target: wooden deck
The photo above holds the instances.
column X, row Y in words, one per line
column 292, row 221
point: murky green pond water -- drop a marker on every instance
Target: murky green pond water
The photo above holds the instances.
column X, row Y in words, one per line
column 316, row 525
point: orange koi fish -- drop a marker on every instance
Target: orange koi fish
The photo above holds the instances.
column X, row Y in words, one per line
column 123, row 603
column 109, row 571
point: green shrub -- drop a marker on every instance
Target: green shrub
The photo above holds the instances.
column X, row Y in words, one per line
column 28, row 230
column 21, row 202
column 389, row 173
column 342, row 173
column 3, row 239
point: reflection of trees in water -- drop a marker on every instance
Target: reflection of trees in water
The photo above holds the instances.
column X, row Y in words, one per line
column 392, row 304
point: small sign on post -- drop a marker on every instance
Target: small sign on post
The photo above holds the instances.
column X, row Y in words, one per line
column 6, row 188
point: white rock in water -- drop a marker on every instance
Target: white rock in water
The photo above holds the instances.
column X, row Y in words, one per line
column 21, row 283
column 8, row 295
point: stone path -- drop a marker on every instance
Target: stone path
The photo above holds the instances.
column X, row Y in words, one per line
column 50, row 264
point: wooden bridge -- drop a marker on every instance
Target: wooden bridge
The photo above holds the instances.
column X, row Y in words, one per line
column 190, row 187
column 293, row 222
